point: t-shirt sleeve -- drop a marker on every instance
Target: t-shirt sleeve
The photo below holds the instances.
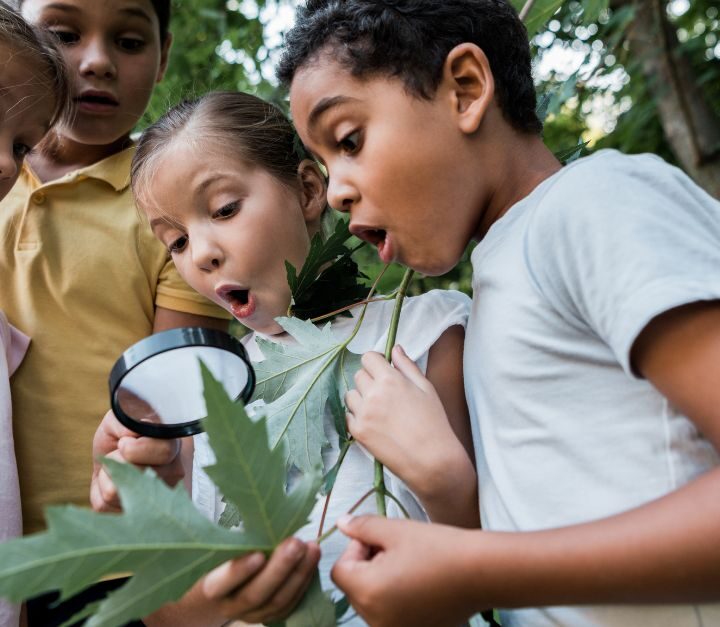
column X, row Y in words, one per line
column 173, row 293
column 619, row 240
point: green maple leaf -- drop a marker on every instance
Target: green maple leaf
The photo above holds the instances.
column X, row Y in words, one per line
column 296, row 381
column 161, row 537
column 329, row 279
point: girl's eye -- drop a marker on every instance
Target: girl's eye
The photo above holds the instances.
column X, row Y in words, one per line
column 178, row 245
column 21, row 150
column 131, row 44
column 227, row 211
column 350, row 143
column 65, row 37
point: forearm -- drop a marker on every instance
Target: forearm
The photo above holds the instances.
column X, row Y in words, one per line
column 662, row 552
column 452, row 498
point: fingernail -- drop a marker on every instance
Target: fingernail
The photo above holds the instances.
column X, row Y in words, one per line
column 344, row 520
column 294, row 549
column 255, row 561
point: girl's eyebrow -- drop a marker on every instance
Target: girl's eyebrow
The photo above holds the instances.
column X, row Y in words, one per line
column 324, row 105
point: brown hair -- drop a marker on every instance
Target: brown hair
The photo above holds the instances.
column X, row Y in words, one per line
column 34, row 43
column 255, row 130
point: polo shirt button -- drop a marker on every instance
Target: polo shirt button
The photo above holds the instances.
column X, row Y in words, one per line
column 38, row 198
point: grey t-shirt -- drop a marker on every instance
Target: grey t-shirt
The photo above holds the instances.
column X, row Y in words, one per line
column 565, row 431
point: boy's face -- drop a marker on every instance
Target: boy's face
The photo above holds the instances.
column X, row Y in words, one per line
column 115, row 58
column 26, row 108
column 400, row 165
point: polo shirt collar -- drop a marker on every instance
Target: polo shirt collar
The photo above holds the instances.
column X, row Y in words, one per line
column 114, row 170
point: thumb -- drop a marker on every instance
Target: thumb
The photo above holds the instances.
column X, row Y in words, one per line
column 408, row 368
column 373, row 531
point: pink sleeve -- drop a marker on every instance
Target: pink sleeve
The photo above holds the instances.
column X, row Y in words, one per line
column 16, row 348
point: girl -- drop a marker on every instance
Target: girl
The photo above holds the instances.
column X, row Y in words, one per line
column 33, row 97
column 227, row 192
column 82, row 275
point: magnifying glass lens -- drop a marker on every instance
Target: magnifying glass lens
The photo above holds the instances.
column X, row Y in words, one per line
column 156, row 386
column 168, row 389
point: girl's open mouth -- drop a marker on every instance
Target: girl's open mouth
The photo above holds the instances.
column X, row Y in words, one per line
column 242, row 302
column 378, row 238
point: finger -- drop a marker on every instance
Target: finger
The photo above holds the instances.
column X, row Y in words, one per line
column 373, row 531
column 349, row 566
column 353, row 401
column 230, row 575
column 103, row 495
column 114, row 428
column 145, row 451
column 409, row 368
column 261, row 588
column 363, row 381
column 292, row 590
column 376, row 365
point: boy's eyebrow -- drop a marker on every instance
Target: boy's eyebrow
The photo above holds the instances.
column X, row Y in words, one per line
column 132, row 11
column 323, row 105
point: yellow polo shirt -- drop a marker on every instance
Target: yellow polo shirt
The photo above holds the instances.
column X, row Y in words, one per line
column 81, row 274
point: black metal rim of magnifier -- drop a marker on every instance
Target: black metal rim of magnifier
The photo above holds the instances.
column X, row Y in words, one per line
column 160, row 343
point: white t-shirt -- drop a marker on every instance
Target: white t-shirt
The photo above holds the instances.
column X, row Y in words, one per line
column 423, row 320
column 563, row 283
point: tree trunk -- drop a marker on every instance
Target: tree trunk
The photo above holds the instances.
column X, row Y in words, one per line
column 691, row 127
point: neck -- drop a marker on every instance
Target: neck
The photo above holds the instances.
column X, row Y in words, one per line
column 58, row 155
column 520, row 162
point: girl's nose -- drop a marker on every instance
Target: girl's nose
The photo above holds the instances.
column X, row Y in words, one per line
column 97, row 59
column 8, row 163
column 341, row 195
column 206, row 256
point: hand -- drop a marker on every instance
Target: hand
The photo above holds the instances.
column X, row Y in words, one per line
column 397, row 415
column 256, row 590
column 117, row 442
column 398, row 572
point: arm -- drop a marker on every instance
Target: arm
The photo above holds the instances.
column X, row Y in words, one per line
column 396, row 413
column 168, row 319
column 660, row 552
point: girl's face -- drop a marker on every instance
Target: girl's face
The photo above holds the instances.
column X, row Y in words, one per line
column 113, row 50
column 26, row 108
column 230, row 227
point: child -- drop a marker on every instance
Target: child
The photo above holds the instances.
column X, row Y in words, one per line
column 33, row 97
column 226, row 191
column 595, row 406
column 82, row 274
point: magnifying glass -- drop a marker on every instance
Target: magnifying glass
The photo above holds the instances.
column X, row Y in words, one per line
column 156, row 387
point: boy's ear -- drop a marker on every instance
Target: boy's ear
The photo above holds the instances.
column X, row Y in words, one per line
column 313, row 193
column 470, row 81
column 164, row 57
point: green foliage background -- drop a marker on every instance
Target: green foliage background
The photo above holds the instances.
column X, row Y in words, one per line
column 219, row 44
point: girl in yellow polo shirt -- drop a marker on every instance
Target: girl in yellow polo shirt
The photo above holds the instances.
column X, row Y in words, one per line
column 82, row 274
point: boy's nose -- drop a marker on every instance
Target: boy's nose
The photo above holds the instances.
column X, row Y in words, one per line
column 97, row 60
column 340, row 195
column 207, row 258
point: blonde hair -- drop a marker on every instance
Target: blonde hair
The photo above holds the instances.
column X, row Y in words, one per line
column 34, row 43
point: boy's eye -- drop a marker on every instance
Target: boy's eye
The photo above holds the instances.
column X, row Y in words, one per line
column 227, row 211
column 21, row 150
column 350, row 143
column 178, row 245
column 131, row 43
column 65, row 37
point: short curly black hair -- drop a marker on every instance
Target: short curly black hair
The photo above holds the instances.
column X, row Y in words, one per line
column 410, row 40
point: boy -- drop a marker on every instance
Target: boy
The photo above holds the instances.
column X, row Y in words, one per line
column 83, row 276
column 593, row 351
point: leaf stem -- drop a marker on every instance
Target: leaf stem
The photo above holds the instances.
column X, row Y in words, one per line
column 343, row 451
column 348, row 308
column 379, row 482
column 333, row 529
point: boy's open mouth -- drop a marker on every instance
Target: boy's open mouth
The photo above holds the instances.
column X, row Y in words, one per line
column 378, row 238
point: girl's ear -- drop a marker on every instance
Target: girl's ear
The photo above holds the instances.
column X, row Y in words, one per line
column 471, row 85
column 312, row 193
column 164, row 57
